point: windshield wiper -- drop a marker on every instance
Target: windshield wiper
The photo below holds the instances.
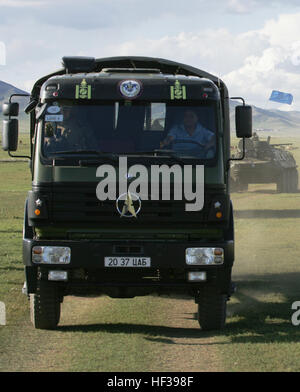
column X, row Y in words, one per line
column 173, row 154
column 99, row 154
column 114, row 157
column 146, row 152
column 69, row 152
column 162, row 153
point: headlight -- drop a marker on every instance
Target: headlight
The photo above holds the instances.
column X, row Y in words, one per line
column 204, row 256
column 51, row 255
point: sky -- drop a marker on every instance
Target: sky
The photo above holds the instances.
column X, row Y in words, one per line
column 252, row 45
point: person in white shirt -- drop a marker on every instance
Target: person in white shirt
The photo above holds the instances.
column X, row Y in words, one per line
column 190, row 130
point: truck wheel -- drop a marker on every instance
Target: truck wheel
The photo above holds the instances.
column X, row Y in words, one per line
column 238, row 185
column 233, row 185
column 243, row 186
column 283, row 182
column 211, row 310
column 289, row 180
column 280, row 184
column 294, row 180
column 45, row 306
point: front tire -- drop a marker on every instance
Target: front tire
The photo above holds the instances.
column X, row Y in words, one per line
column 294, row 180
column 238, row 185
column 243, row 187
column 45, row 306
column 211, row 310
column 283, row 181
column 288, row 181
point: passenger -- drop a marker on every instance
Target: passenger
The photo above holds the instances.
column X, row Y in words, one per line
column 54, row 140
column 76, row 132
column 255, row 137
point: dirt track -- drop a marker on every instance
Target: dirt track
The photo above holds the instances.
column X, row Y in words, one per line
column 103, row 334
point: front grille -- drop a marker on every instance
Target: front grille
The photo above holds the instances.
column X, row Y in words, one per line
column 70, row 204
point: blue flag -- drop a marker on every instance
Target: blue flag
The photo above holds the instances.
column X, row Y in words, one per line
column 281, row 97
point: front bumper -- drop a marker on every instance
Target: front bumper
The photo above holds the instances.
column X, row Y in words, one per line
column 167, row 274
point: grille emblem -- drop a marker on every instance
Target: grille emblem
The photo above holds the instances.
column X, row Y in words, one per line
column 128, row 206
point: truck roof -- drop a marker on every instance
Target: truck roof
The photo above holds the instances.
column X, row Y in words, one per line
column 116, row 84
column 114, row 68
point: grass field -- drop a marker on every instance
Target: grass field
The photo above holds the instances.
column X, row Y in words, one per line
column 161, row 334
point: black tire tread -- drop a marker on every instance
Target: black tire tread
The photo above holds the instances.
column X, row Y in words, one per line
column 45, row 306
column 211, row 310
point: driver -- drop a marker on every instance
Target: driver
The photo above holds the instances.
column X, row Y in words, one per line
column 191, row 130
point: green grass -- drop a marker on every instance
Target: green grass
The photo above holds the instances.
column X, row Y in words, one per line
column 23, row 148
column 259, row 334
column 15, row 181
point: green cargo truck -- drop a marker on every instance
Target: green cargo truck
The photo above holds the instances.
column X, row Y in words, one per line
column 146, row 112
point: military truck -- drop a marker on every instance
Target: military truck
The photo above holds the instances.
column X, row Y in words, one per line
column 85, row 119
column 265, row 163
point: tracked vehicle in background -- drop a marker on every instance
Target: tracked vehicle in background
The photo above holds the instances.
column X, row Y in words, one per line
column 265, row 163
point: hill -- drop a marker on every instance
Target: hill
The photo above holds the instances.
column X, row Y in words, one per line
column 6, row 90
column 267, row 120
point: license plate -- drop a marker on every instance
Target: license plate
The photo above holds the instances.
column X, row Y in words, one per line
column 133, row 262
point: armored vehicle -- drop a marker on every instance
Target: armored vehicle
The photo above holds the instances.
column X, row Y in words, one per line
column 108, row 135
column 265, row 163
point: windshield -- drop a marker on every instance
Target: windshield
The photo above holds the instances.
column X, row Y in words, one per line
column 187, row 130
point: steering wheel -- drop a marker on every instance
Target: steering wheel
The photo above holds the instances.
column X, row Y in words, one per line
column 197, row 149
column 175, row 141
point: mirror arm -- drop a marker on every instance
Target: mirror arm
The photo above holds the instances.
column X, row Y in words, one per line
column 18, row 95
column 241, row 98
column 18, row 156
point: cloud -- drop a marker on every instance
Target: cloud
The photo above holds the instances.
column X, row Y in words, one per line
column 252, row 63
column 97, row 14
column 2, row 53
column 200, row 49
column 252, row 6
column 130, row 14
column 22, row 3
column 241, row 6
column 276, row 67
column 283, row 30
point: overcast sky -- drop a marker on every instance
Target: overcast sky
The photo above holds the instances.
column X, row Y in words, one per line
column 253, row 45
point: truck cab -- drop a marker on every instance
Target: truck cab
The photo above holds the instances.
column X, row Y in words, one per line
column 130, row 185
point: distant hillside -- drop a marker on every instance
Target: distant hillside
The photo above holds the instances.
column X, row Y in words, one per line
column 6, row 90
column 266, row 120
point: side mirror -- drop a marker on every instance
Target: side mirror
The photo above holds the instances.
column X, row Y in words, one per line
column 243, row 121
column 10, row 134
column 11, row 126
column 10, row 109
